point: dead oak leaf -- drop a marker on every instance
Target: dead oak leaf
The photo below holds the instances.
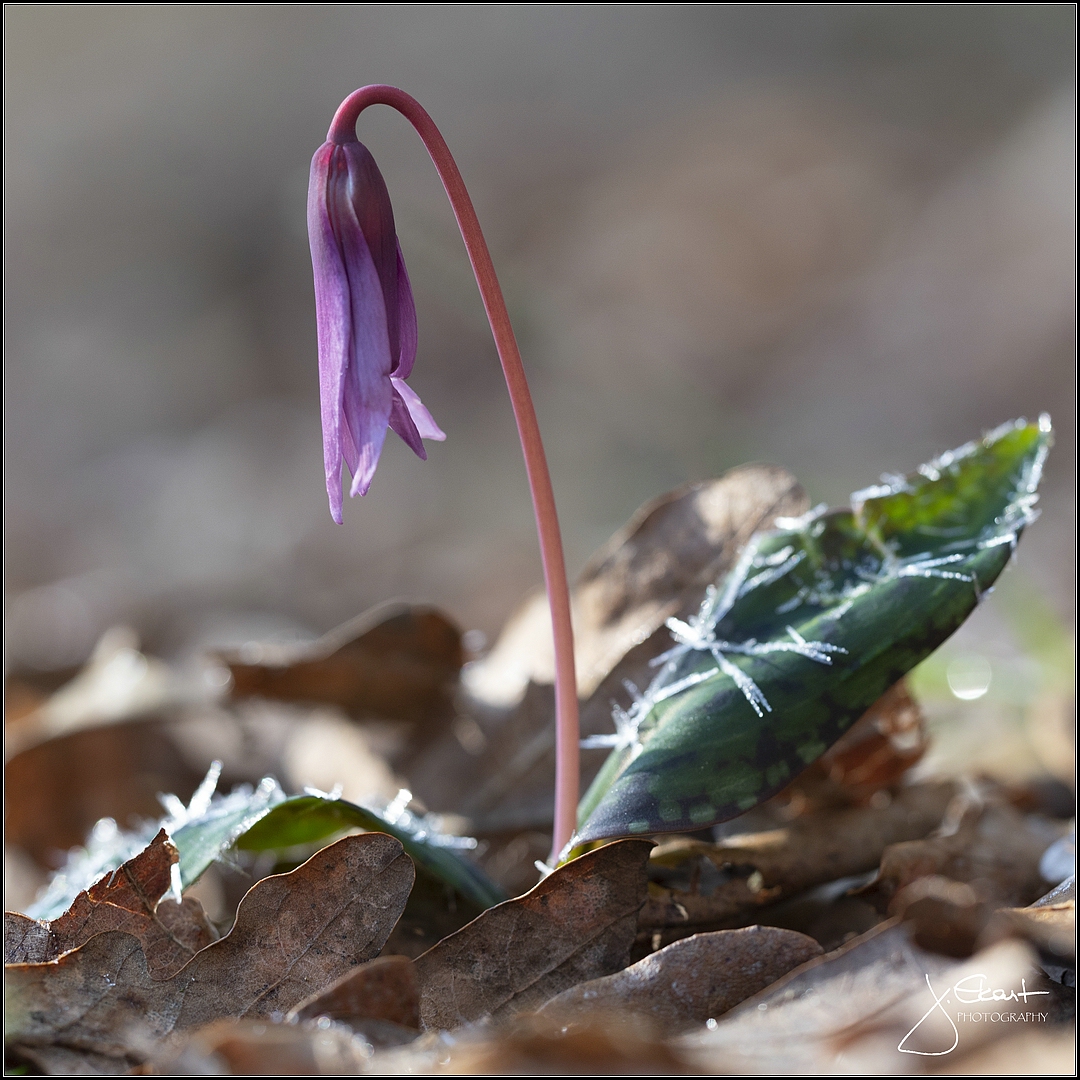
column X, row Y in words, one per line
column 990, row 846
column 396, row 661
column 128, row 899
column 294, row 933
column 692, row 980
column 577, row 924
column 851, row 1010
column 695, row 884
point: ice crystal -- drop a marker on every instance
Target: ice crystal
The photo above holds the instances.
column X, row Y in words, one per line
column 423, row 828
column 627, row 723
column 699, row 635
column 108, row 846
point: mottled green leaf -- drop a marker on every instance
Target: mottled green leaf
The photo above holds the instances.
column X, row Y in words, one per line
column 265, row 819
column 307, row 819
column 205, row 836
column 202, row 831
column 816, row 621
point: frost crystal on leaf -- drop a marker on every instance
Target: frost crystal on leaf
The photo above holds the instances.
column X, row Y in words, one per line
column 627, row 723
column 108, row 846
column 698, row 635
column 423, row 828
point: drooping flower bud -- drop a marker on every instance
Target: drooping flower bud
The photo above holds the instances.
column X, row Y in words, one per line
column 366, row 319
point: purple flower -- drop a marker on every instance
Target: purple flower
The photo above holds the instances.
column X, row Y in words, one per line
column 366, row 319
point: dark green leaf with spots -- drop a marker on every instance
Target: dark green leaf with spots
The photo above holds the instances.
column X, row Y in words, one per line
column 308, row 819
column 816, row 621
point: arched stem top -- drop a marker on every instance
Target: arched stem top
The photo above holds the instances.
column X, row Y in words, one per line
column 343, row 126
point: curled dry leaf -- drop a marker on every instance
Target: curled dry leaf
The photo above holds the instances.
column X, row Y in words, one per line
column 128, row 899
column 990, row 846
column 947, row 917
column 851, row 1010
column 1059, row 894
column 655, row 567
column 54, row 792
column 294, row 933
column 697, row 884
column 692, row 980
column 118, row 683
column 944, row 916
column 577, row 924
column 398, row 662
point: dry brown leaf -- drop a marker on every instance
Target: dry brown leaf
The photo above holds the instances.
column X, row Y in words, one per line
column 128, row 899
column 850, row 1011
column 611, row 1045
column 118, row 684
column 655, row 567
column 697, row 884
column 61, row 1061
column 54, row 792
column 1051, row 928
column 991, row 847
column 294, row 933
column 397, row 662
column 692, row 980
column 577, row 924
column 261, row 1048
column 385, row 988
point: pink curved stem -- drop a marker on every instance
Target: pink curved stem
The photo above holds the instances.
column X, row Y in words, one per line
column 343, row 129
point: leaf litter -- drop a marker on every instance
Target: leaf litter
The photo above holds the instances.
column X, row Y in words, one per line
column 294, row 934
column 692, row 980
column 899, row 877
column 577, row 924
column 138, row 898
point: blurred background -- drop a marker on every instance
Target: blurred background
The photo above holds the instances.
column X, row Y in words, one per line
column 837, row 238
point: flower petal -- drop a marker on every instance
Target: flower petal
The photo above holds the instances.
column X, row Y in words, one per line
column 367, row 395
column 367, row 406
column 374, row 216
column 333, row 319
column 418, row 413
column 366, row 319
column 407, row 336
column 403, row 423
